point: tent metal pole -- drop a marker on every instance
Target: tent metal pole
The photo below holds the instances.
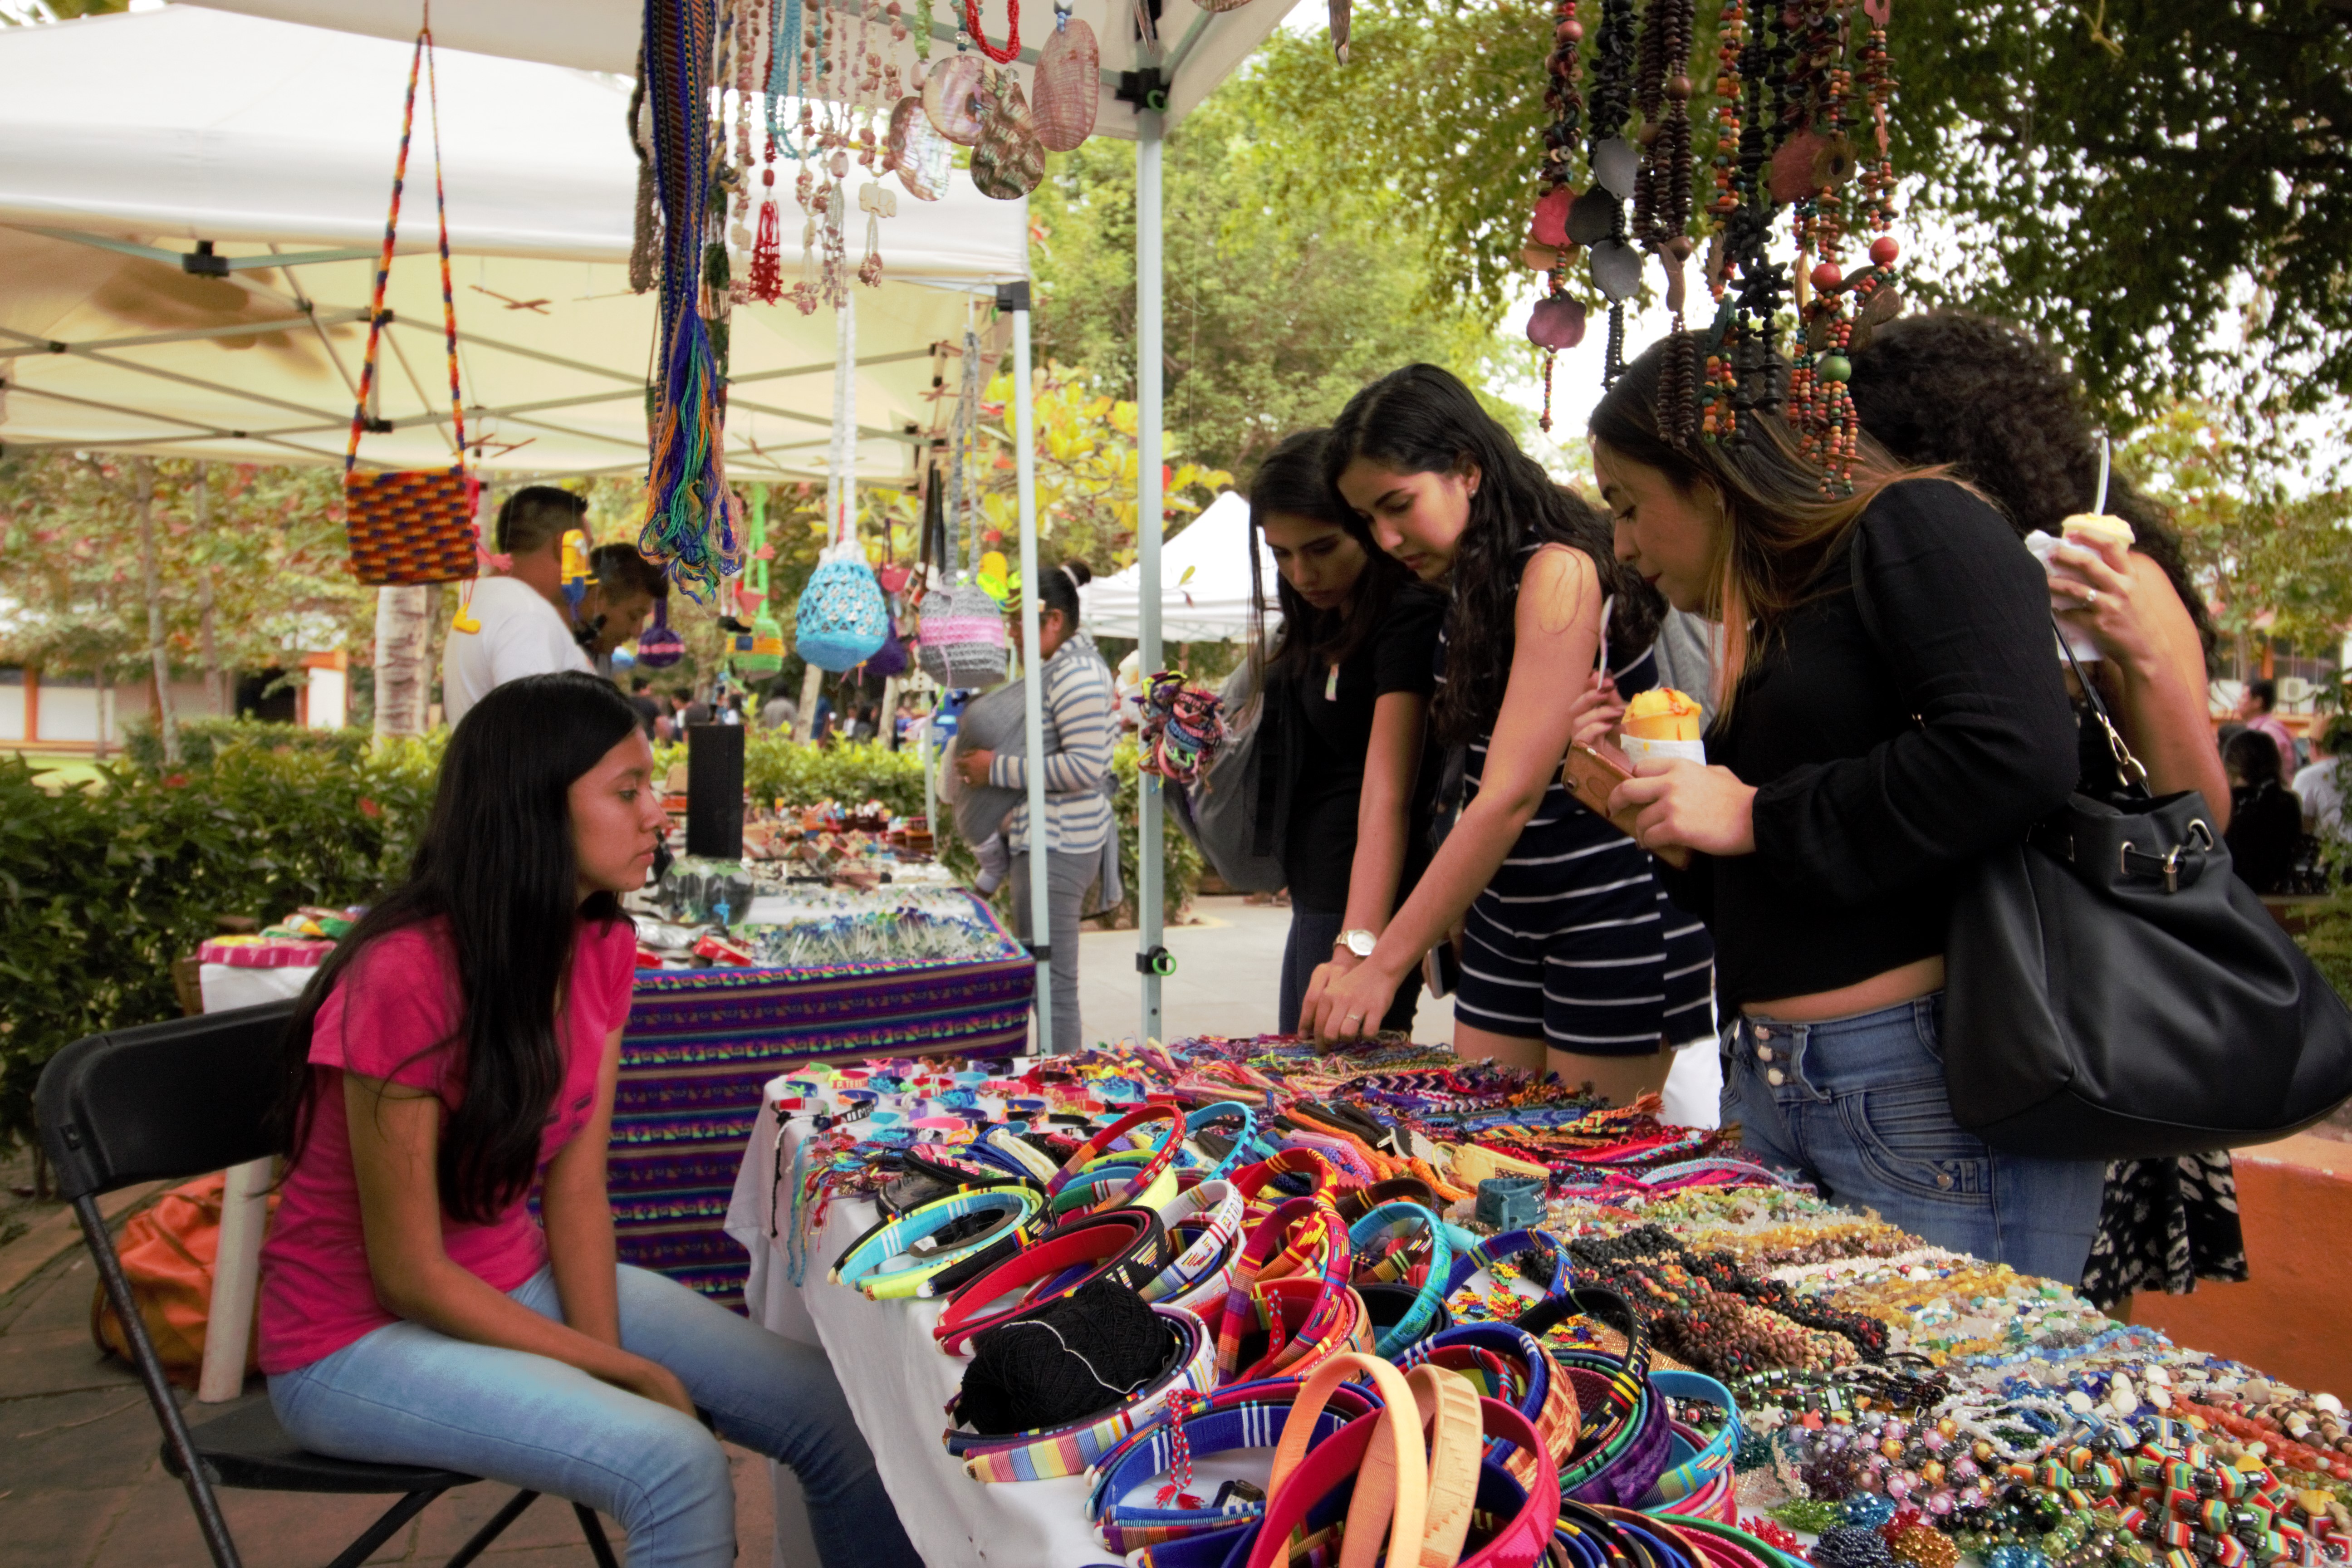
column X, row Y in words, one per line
column 1151, row 957
column 1014, row 297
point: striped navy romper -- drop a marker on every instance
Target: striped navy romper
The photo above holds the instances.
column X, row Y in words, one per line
column 1573, row 942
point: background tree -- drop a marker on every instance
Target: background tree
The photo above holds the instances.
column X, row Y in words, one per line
column 2051, row 141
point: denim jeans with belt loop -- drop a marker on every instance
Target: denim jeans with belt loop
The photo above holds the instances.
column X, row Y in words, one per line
column 1858, row 1106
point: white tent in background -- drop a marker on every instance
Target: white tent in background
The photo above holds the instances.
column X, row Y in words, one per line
column 1204, row 583
column 123, row 150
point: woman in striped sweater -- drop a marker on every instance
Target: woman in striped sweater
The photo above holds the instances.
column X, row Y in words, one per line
column 1081, row 846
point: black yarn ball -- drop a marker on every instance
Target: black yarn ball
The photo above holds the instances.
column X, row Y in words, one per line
column 1087, row 1353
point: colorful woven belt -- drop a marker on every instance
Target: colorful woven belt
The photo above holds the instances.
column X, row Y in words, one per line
column 1208, row 1116
column 1246, row 1416
column 1051, row 1453
column 1210, row 1216
column 1296, row 1228
column 1095, row 1147
column 1128, row 1247
column 1514, row 1243
column 1416, row 1319
column 863, row 1263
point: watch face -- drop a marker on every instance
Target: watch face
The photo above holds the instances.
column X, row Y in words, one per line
column 1361, row 942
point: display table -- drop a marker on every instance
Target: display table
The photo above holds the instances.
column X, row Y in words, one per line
column 701, row 1042
column 899, row 1385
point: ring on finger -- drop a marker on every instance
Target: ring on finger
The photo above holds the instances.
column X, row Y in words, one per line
column 2090, row 598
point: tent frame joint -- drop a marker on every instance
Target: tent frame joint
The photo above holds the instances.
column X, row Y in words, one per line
column 1146, row 89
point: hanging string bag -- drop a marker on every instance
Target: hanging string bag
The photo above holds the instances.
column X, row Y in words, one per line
column 963, row 642
column 410, row 527
column 688, row 521
column 843, row 618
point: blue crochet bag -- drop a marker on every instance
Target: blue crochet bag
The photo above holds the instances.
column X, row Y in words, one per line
column 842, row 617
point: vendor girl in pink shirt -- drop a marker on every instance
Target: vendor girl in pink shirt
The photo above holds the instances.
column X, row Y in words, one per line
column 458, row 1051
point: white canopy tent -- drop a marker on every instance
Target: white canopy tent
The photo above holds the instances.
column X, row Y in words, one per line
column 1204, row 583
column 1149, row 83
column 124, row 149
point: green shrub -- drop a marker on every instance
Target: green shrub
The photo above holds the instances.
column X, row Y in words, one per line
column 203, row 740
column 777, row 768
column 102, row 887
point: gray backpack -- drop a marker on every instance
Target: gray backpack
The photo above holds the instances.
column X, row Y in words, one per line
column 1221, row 812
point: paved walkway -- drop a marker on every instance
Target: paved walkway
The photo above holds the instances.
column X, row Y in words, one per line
column 1228, row 978
column 82, row 1481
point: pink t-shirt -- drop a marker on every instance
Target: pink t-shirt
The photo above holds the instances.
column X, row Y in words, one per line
column 392, row 1015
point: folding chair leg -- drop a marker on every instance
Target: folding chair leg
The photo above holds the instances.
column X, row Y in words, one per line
column 159, row 1389
column 481, row 1538
column 392, row 1518
column 598, row 1547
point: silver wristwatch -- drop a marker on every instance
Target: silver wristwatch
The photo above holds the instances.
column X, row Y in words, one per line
column 1360, row 943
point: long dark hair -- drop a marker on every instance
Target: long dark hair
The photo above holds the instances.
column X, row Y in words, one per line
column 1423, row 420
column 1295, row 479
column 2003, row 410
column 496, row 866
column 1783, row 525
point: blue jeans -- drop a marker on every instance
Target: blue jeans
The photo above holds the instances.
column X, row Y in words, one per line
column 1858, row 1105
column 407, row 1394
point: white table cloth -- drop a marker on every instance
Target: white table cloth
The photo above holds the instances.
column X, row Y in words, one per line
column 898, row 1385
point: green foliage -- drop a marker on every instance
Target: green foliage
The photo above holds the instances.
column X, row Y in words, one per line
column 202, row 740
column 1295, row 273
column 2326, row 937
column 268, row 542
column 102, row 887
column 2274, row 564
column 2059, row 138
column 776, row 768
column 2050, row 140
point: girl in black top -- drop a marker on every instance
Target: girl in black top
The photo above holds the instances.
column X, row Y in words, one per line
column 1890, row 710
column 1347, row 687
column 2265, row 818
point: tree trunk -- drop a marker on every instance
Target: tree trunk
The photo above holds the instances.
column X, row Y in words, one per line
column 143, row 507
column 216, row 687
column 812, row 687
column 404, row 637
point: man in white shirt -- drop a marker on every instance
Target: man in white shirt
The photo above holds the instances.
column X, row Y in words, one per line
column 525, row 619
column 2317, row 785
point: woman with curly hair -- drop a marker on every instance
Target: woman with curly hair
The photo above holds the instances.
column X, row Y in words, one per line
column 2001, row 411
column 1572, row 956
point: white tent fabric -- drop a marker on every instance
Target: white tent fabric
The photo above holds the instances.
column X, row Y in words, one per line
column 1200, row 47
column 1205, row 582
column 123, row 139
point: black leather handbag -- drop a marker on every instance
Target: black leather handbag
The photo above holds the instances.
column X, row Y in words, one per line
column 2115, row 990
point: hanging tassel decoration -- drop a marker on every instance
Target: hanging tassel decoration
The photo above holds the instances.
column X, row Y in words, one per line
column 688, row 519
column 766, row 281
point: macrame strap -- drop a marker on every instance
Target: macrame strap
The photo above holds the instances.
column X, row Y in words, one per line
column 421, row 60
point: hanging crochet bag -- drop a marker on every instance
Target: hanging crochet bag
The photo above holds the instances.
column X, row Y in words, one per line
column 842, row 617
column 414, row 526
column 963, row 637
column 659, row 648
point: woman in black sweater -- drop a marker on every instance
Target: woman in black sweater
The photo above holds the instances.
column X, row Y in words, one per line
column 1889, row 712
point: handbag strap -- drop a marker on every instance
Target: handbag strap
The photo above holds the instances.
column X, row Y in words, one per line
column 423, row 58
column 2127, row 767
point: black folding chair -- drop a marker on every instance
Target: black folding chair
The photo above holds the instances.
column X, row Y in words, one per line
column 167, row 1101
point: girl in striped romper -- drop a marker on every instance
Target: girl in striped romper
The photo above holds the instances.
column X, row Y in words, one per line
column 1081, row 726
column 1572, row 956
